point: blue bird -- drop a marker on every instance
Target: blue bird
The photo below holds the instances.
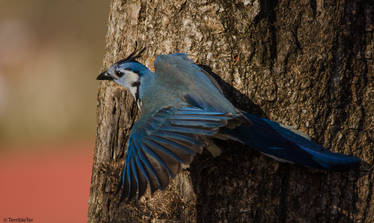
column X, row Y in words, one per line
column 183, row 108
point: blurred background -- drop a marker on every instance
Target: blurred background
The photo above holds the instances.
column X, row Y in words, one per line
column 50, row 55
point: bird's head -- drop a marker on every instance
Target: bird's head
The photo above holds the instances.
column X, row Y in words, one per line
column 127, row 72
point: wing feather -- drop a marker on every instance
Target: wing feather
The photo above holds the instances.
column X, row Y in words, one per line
column 163, row 142
column 144, row 179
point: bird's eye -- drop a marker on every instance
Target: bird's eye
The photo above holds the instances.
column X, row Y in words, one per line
column 119, row 74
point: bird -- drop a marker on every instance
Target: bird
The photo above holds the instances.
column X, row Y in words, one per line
column 182, row 109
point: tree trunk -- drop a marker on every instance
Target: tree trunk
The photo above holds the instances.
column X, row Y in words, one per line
column 307, row 64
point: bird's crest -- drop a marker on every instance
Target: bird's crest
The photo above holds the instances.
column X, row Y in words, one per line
column 134, row 55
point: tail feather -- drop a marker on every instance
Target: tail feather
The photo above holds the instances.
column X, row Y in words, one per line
column 282, row 144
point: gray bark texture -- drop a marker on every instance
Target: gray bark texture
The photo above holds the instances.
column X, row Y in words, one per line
column 303, row 63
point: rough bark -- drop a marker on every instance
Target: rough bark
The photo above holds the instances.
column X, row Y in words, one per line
column 307, row 64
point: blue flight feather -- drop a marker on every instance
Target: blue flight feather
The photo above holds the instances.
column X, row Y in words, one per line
column 199, row 117
column 204, row 124
column 155, row 145
column 175, row 145
column 179, row 129
column 143, row 172
column 149, row 167
column 154, row 155
column 178, row 137
column 168, row 139
column 135, row 174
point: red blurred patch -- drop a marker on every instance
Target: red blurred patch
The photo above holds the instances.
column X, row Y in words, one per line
column 45, row 186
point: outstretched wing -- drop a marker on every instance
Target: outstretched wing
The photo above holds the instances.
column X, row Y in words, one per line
column 159, row 145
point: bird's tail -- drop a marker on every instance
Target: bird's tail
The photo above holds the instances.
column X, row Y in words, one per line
column 286, row 145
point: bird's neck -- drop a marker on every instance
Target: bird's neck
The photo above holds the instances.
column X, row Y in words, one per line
column 146, row 80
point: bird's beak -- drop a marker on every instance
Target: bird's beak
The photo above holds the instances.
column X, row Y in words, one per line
column 104, row 76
